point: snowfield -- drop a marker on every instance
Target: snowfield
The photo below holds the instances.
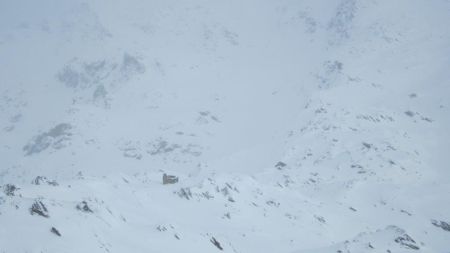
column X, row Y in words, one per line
column 279, row 126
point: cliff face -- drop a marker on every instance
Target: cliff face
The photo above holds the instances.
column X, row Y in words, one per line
column 289, row 126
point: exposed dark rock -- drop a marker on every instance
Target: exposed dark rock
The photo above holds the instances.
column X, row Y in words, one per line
column 55, row 231
column 52, row 183
column 39, row 208
column 426, row 119
column 280, row 165
column 358, row 166
column 84, row 207
column 10, row 189
column 161, row 228
column 207, row 195
column 367, row 145
column 441, row 224
column 185, row 193
column 216, row 243
column 410, row 113
column 406, row 212
column 169, row 179
column 225, row 191
column 406, row 241
column 80, row 175
column 206, row 116
column 320, row 219
column 43, row 180
column 273, row 203
column 55, row 137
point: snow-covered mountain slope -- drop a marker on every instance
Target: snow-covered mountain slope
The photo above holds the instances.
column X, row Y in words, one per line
column 291, row 126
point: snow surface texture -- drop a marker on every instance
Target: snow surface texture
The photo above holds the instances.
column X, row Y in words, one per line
column 282, row 126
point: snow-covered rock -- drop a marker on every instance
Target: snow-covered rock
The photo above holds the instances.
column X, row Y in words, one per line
column 291, row 126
